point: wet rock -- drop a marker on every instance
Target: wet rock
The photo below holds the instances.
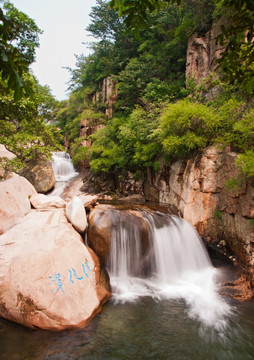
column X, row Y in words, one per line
column 14, row 200
column 48, row 278
column 40, row 174
column 99, row 231
column 104, row 219
column 76, row 214
column 240, row 289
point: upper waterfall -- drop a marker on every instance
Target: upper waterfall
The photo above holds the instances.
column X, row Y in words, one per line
column 63, row 169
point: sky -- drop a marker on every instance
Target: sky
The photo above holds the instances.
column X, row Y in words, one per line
column 63, row 23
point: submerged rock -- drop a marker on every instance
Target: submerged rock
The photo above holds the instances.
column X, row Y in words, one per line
column 76, row 214
column 40, row 173
column 48, row 278
column 14, row 200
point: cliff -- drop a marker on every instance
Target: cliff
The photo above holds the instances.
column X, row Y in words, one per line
column 198, row 188
column 203, row 53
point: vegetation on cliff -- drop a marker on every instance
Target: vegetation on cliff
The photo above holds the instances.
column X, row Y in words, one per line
column 158, row 118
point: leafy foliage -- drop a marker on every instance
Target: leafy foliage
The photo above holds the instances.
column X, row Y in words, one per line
column 18, row 41
column 187, row 126
column 23, row 115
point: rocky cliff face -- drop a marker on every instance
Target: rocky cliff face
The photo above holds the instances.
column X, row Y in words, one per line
column 107, row 95
column 203, row 53
column 198, row 188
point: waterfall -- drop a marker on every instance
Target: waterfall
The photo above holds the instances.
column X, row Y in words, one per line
column 170, row 263
column 63, row 169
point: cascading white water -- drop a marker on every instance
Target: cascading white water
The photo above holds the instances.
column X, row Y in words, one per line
column 172, row 264
column 63, row 169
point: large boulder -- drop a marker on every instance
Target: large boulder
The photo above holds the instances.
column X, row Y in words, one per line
column 14, row 200
column 40, row 173
column 48, row 278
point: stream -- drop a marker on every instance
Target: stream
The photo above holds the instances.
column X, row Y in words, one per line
column 165, row 302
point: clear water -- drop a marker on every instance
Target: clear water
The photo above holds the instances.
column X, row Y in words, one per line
column 147, row 329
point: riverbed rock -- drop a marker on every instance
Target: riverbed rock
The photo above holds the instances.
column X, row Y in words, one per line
column 41, row 201
column 48, row 278
column 76, row 214
column 40, row 173
column 14, row 200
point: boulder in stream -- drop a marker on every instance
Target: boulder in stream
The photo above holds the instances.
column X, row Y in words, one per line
column 48, row 278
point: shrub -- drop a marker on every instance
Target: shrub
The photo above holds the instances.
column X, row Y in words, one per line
column 187, row 126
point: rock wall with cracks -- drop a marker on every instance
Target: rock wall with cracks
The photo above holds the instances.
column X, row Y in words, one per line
column 198, row 188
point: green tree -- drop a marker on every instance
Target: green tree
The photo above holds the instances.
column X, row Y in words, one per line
column 18, row 41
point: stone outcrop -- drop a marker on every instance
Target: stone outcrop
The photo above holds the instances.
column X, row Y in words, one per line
column 107, row 95
column 14, row 200
column 203, row 53
column 48, row 278
column 40, row 173
column 198, row 189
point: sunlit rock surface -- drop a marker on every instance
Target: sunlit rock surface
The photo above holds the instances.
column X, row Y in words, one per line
column 14, row 200
column 48, row 278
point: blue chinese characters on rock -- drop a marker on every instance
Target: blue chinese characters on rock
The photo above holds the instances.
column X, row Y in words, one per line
column 56, row 282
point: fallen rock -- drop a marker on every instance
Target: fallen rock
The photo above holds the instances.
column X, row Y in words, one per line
column 48, row 278
column 40, row 173
column 41, row 201
column 14, row 200
column 76, row 214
